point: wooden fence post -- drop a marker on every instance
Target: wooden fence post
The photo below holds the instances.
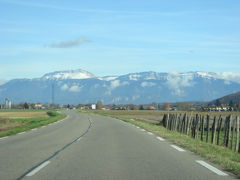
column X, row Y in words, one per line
column 225, row 130
column 167, row 119
column 183, row 123
column 208, row 119
column 177, row 122
column 237, row 138
column 214, row 126
column 202, row 126
column 233, row 132
column 229, row 131
column 198, row 118
column 219, row 129
column 189, row 124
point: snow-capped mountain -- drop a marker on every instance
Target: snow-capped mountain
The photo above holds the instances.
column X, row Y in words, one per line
column 79, row 86
column 72, row 74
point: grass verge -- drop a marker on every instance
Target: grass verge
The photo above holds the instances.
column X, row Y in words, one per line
column 18, row 125
column 224, row 157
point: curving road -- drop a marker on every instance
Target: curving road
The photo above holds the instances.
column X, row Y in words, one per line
column 88, row 146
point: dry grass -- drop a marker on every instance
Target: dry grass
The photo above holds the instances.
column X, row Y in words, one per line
column 7, row 119
column 13, row 122
column 16, row 115
column 6, row 124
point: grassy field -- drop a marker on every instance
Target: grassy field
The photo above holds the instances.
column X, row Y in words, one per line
column 226, row 158
column 13, row 122
column 156, row 116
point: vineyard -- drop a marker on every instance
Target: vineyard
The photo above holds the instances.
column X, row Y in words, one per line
column 216, row 129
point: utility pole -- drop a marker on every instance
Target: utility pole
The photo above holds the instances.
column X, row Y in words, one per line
column 52, row 94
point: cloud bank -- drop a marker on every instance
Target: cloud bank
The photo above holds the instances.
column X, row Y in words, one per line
column 71, row 43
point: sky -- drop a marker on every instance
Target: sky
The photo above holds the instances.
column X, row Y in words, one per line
column 118, row 37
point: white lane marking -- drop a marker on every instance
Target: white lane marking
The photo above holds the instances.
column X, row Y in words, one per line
column 79, row 139
column 137, row 127
column 34, row 171
column 4, row 137
column 21, row 132
column 161, row 139
column 211, row 168
column 178, row 148
column 150, row 133
column 34, row 129
column 143, row 130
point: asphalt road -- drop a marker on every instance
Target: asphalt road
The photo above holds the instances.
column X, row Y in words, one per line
column 88, row 146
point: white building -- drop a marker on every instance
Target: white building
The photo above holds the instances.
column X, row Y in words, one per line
column 38, row 106
column 7, row 104
column 94, row 107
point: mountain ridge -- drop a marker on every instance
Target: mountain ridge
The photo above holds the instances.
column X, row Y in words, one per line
column 228, row 99
column 80, row 86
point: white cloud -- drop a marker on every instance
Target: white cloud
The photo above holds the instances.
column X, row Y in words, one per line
column 74, row 88
column 230, row 76
column 227, row 76
column 115, row 84
column 125, row 83
column 147, row 84
column 64, row 87
column 135, row 97
column 178, row 92
column 69, row 43
column 176, row 81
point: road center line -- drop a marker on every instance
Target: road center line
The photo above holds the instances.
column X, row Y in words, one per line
column 150, row 133
column 34, row 171
column 178, row 148
column 211, row 168
column 161, row 139
column 4, row 137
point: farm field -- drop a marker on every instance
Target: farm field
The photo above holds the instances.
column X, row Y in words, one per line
column 22, row 114
column 152, row 121
column 13, row 122
column 157, row 116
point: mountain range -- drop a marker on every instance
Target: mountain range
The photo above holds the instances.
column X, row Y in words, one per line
column 81, row 87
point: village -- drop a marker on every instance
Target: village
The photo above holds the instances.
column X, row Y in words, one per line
column 99, row 105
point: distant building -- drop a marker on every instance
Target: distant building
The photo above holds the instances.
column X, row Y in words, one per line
column 38, row 106
column 94, row 107
column 7, row 104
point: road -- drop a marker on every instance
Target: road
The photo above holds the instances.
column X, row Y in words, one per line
column 88, row 146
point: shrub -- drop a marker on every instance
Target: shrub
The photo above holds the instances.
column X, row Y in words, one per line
column 51, row 113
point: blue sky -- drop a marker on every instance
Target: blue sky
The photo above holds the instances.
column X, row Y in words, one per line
column 117, row 37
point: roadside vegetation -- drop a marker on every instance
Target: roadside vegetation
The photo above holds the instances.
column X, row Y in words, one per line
column 14, row 121
column 149, row 120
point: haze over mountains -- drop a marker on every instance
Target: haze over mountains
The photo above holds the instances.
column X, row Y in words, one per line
column 79, row 86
